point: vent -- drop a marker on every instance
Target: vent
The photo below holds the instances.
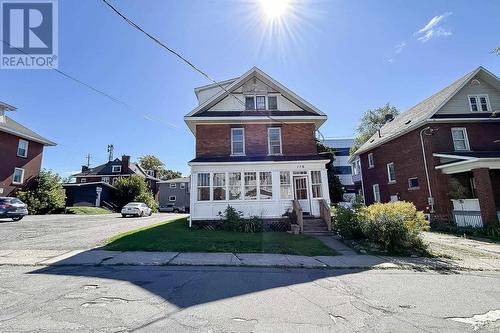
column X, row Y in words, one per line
column 409, row 121
column 475, row 82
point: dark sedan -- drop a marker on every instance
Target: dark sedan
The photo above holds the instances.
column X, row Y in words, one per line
column 12, row 208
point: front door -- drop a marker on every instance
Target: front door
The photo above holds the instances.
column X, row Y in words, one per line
column 301, row 195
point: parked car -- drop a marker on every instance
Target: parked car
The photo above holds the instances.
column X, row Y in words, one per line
column 172, row 208
column 12, row 208
column 136, row 209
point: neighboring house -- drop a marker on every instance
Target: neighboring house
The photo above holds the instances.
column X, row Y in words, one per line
column 255, row 150
column 94, row 186
column 341, row 166
column 174, row 192
column 454, row 134
column 21, row 152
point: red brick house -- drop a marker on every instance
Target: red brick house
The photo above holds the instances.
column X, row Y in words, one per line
column 255, row 150
column 94, row 186
column 452, row 137
column 21, row 152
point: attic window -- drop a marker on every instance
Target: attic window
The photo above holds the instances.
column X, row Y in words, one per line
column 116, row 168
column 409, row 121
column 249, row 103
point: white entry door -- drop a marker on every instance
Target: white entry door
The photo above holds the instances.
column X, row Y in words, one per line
column 301, row 193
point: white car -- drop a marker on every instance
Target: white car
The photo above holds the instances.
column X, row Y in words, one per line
column 136, row 209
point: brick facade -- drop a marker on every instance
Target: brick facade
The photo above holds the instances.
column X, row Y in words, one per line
column 406, row 154
column 215, row 140
column 484, row 193
column 9, row 160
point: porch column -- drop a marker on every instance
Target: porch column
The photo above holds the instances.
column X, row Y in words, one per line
column 484, row 192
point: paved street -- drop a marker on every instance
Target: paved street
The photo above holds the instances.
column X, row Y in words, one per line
column 69, row 232
column 217, row 299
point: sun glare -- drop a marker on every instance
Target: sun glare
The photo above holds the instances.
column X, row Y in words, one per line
column 274, row 8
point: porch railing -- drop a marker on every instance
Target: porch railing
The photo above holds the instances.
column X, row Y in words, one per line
column 468, row 218
column 298, row 213
column 325, row 213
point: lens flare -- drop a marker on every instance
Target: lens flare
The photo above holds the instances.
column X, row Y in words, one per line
column 274, row 8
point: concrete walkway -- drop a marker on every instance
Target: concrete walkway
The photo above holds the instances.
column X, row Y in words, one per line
column 98, row 257
column 336, row 244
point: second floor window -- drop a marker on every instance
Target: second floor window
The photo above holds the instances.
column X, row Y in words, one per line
column 370, row 160
column 237, row 141
column 376, row 193
column 391, row 175
column 460, row 140
column 479, row 103
column 22, row 148
column 274, row 138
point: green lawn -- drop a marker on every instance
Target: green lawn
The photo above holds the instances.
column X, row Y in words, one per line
column 87, row 210
column 176, row 236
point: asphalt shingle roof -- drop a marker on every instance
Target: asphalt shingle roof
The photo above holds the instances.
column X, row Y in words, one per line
column 13, row 127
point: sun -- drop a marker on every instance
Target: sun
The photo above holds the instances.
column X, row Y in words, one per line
column 274, row 9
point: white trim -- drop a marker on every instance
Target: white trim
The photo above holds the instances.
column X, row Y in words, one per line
column 453, row 156
column 389, row 180
column 113, row 168
column 269, row 141
column 478, row 102
column 173, row 185
column 371, row 163
column 466, row 138
column 172, row 196
column 25, row 150
column 468, row 165
column 232, row 147
column 14, row 176
column 376, row 194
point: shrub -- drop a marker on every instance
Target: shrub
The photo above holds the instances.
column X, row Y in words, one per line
column 346, row 222
column 232, row 220
column 134, row 188
column 47, row 195
column 394, row 226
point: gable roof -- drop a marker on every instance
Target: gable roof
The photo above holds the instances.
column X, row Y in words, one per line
column 420, row 113
column 13, row 127
column 236, row 83
column 176, row 180
column 106, row 169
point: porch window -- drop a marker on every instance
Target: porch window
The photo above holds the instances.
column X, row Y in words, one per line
column 370, row 160
column 274, row 140
column 479, row 103
column 272, row 102
column 376, row 193
column 22, row 148
column 219, row 186
column 316, row 184
column 266, row 185
column 203, row 187
column 237, row 141
column 250, row 185
column 249, row 103
column 285, row 185
column 391, row 175
column 18, row 176
column 260, row 102
column 234, row 186
column 460, row 140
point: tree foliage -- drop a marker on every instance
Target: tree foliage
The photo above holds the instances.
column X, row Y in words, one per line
column 151, row 162
column 133, row 188
column 370, row 123
column 47, row 195
column 334, row 185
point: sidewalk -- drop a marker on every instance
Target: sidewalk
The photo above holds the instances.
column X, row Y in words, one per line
column 109, row 258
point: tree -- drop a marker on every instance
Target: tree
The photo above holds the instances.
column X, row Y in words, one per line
column 47, row 194
column 151, row 162
column 133, row 188
column 334, row 185
column 370, row 123
column 496, row 51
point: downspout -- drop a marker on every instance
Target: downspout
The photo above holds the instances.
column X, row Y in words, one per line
column 431, row 199
column 362, row 180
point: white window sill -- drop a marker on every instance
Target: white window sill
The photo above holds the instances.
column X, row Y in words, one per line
column 391, row 182
column 22, row 156
column 234, row 155
column 371, row 167
column 14, row 183
column 413, row 188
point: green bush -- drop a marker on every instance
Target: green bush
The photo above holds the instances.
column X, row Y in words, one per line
column 232, row 220
column 346, row 222
column 395, row 226
column 134, row 188
column 47, row 195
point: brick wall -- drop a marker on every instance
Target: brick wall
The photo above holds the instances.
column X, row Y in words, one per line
column 9, row 160
column 406, row 153
column 215, row 140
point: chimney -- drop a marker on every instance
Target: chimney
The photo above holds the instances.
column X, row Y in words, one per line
column 125, row 163
column 85, row 168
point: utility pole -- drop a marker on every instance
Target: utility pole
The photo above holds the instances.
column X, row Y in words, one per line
column 110, row 152
column 88, row 160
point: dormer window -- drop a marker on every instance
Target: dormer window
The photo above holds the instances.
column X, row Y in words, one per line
column 116, row 168
column 479, row 103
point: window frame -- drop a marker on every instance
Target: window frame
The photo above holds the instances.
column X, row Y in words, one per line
column 182, row 186
column 320, row 184
column 83, row 180
column 245, row 186
column 172, row 196
column 268, row 186
column 272, row 96
column 269, row 129
column 253, row 101
column 115, row 167
column 410, row 187
column 477, row 97
column 371, row 162
column 105, row 179
column 223, row 186
column 389, row 180
column 237, row 186
column 466, row 138
column 376, row 194
column 26, row 149
column 173, row 185
column 243, row 141
column 264, row 97
column 198, row 186
column 14, row 176
column 288, row 186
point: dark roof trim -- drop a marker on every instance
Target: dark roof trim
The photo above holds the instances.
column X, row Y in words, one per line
column 475, row 115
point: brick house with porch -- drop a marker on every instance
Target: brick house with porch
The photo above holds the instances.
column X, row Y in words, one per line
column 255, row 150
column 450, row 139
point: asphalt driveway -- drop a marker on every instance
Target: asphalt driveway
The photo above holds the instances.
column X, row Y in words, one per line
column 69, row 232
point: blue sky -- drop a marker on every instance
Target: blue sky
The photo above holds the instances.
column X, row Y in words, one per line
column 342, row 56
